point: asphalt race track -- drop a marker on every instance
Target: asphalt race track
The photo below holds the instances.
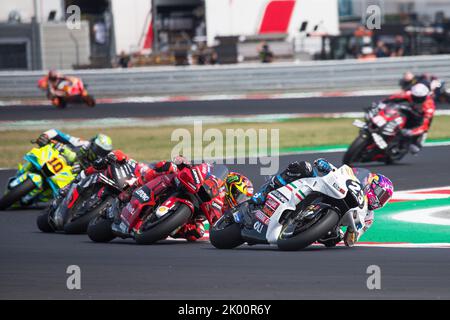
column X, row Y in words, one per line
column 190, row 108
column 33, row 264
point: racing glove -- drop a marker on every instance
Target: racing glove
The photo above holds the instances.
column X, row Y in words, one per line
column 406, row 132
column 43, row 140
column 322, row 165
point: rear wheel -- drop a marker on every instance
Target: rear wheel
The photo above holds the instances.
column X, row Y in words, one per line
column 353, row 153
column 99, row 229
column 89, row 100
column 225, row 234
column 315, row 232
column 163, row 228
column 16, row 193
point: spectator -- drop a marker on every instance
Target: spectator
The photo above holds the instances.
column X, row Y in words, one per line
column 214, row 59
column 265, row 54
column 381, row 50
column 399, row 47
column 124, row 60
column 99, row 32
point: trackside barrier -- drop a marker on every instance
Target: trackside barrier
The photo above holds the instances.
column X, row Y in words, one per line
column 242, row 78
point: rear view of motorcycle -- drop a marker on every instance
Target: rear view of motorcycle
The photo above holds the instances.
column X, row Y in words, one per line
column 86, row 199
column 294, row 216
column 380, row 137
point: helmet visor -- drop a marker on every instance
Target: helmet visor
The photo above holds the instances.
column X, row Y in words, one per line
column 382, row 195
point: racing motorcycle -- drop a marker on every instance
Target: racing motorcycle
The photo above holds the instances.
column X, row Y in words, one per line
column 39, row 179
column 86, row 199
column 296, row 215
column 160, row 207
column 67, row 92
column 380, row 137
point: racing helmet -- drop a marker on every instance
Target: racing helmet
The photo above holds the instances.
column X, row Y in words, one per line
column 379, row 190
column 181, row 162
column 419, row 92
column 52, row 75
column 238, row 188
column 99, row 147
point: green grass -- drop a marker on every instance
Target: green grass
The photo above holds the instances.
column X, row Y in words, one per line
column 152, row 143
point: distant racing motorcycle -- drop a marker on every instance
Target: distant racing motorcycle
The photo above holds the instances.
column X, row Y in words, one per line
column 380, row 137
column 73, row 91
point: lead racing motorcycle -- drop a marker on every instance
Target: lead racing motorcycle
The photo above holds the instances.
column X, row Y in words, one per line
column 39, row 179
column 296, row 215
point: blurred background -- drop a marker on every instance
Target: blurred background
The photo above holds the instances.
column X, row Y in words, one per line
column 114, row 33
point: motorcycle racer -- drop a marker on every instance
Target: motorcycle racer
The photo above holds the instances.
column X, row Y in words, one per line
column 419, row 115
column 81, row 153
column 55, row 83
column 378, row 190
column 211, row 211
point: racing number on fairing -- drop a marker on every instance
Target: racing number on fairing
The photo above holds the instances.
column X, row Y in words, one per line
column 56, row 165
column 355, row 188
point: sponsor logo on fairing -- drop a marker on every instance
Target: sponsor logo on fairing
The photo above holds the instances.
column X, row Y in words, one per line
column 142, row 195
column 262, row 217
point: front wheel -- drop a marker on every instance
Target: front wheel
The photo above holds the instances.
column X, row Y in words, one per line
column 163, row 228
column 99, row 229
column 225, row 234
column 44, row 224
column 353, row 153
column 315, row 232
column 80, row 224
column 16, row 193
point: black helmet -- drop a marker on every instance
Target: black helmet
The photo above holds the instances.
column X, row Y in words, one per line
column 52, row 75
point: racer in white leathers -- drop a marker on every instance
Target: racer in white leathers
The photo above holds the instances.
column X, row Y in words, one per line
column 377, row 190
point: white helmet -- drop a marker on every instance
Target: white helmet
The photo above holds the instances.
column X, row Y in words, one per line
column 419, row 92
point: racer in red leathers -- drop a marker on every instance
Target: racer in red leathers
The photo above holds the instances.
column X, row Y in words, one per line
column 419, row 115
column 210, row 211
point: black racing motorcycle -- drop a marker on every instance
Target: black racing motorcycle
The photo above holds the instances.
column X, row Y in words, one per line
column 86, row 199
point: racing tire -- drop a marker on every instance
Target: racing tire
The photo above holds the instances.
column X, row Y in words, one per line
column 80, row 225
column 228, row 237
column 90, row 101
column 166, row 226
column 99, row 229
column 353, row 153
column 16, row 194
column 317, row 231
column 43, row 223
column 62, row 104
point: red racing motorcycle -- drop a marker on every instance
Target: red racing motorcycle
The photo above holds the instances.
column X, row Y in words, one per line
column 380, row 137
column 67, row 91
column 162, row 206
